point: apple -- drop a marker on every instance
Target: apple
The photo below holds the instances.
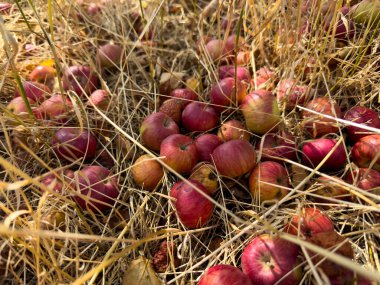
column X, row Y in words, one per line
column 147, row 172
column 185, row 95
column 56, row 108
column 264, row 79
column 109, row 55
column 99, row 98
column 291, row 94
column 364, row 116
column 364, row 178
column 277, row 145
column 44, row 74
column 205, row 145
column 267, row 259
column 331, row 189
column 261, row 111
column 199, row 117
column 243, row 58
column 314, row 151
column 173, row 108
column 227, row 94
column 5, row 8
column 223, row 274
column 193, row 209
column 233, row 130
column 155, row 128
column 342, row 27
column 242, row 74
column 80, row 79
column 366, row 152
column 269, row 181
column 55, row 182
column 73, row 143
column 318, row 125
column 96, row 188
column 205, row 173
column 234, row 158
column 18, row 107
column 34, row 90
column 105, row 158
column 215, row 49
column 166, row 257
column 179, row 152
column 308, row 222
column 230, row 46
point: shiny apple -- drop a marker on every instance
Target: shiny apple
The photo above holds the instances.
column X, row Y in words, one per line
column 199, row 117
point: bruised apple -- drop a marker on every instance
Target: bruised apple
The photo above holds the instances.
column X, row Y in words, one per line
column 233, row 130
column 205, row 173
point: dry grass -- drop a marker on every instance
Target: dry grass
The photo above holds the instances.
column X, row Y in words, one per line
column 96, row 249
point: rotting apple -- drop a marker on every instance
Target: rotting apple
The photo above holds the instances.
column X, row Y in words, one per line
column 185, row 95
column 205, row 173
column 173, row 108
column 147, row 172
column 233, row 130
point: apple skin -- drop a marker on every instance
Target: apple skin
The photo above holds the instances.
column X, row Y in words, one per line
column 55, row 109
column 55, row 184
column 80, row 79
column 233, row 130
column 205, row 173
column 100, row 188
column 230, row 44
column 147, row 172
column 364, row 178
column 223, row 94
column 99, row 98
column 34, row 90
column 193, row 209
column 109, row 55
column 261, row 111
column 331, row 189
column 222, row 274
column 173, row 108
column 317, row 125
column 264, row 178
column 179, row 152
column 205, row 145
column 155, row 128
column 44, row 74
column 313, row 152
column 291, row 94
column 361, row 115
column 309, row 221
column 215, row 49
column 242, row 73
column 184, row 95
column 277, row 145
column 264, row 79
column 234, row 158
column 267, row 259
column 367, row 151
column 73, row 143
column 18, row 107
column 199, row 117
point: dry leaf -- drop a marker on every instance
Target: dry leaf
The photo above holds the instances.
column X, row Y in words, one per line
column 140, row 272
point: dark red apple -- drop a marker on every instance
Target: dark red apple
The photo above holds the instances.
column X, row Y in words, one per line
column 155, row 128
column 366, row 152
column 318, row 125
column 364, row 116
column 147, row 172
column 80, row 79
column 205, row 173
column 34, row 90
column 277, row 145
column 215, row 49
column 234, row 158
column 179, row 152
column 313, row 152
column 269, row 181
column 205, row 145
column 109, row 55
column 233, row 130
column 342, row 27
column 186, row 95
column 364, row 178
column 222, row 274
column 56, row 108
column 261, row 111
column 308, row 222
column 242, row 73
column 193, row 209
column 226, row 94
column 291, row 94
column 74, row 143
column 267, row 259
column 199, row 117
column 96, row 188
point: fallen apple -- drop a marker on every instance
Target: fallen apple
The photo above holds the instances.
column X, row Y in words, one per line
column 199, row 117
column 147, row 172
column 366, row 152
column 205, row 173
column 205, row 145
column 34, row 90
column 274, row 146
column 80, row 79
column 223, row 274
column 233, row 130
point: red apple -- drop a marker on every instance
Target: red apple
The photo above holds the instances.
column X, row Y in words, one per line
column 147, row 172
column 56, row 108
column 80, row 79
column 277, row 145
column 205, row 173
column 366, row 152
column 5, row 8
column 234, row 158
column 193, row 209
column 267, row 259
column 215, row 49
column 109, row 55
column 96, row 188
column 261, row 111
column 318, row 125
column 100, row 98
column 56, row 184
column 308, row 222
column 173, row 108
column 205, row 145
column 44, row 74
column 74, row 143
column 242, row 73
column 18, row 107
column 226, row 94
column 343, row 27
column 264, row 79
column 364, row 116
column 34, row 90
column 155, row 128
column 364, row 178
column 199, row 117
column 291, row 94
column 222, row 274
column 230, row 45
column 269, row 181
column 233, row 130
column 186, row 95
column 313, row 152
column 179, row 152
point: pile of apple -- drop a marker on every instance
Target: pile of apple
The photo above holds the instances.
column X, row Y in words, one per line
column 241, row 121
